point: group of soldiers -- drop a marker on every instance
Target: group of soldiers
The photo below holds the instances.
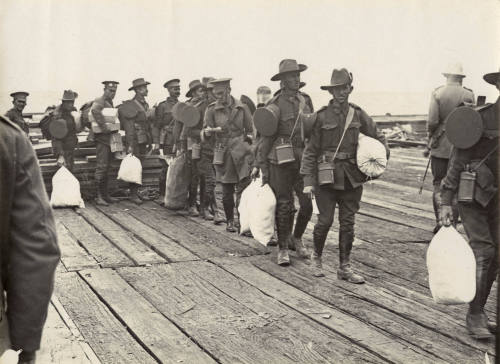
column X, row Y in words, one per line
column 296, row 151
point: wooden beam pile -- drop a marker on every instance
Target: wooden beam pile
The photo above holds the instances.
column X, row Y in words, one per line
column 85, row 166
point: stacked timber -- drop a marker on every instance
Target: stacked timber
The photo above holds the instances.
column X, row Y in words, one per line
column 85, row 166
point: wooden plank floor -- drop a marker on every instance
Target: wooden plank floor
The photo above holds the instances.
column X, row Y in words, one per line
column 140, row 284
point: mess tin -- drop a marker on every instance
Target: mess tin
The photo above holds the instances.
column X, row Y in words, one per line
column 266, row 119
column 325, row 171
column 466, row 186
column 284, row 152
column 219, row 152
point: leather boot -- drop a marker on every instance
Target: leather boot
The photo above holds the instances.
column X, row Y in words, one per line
column 230, row 226
column 105, row 192
column 283, row 239
column 273, row 241
column 192, row 211
column 300, row 248
column 134, row 197
column 205, row 214
column 477, row 325
column 317, row 265
column 345, row 271
column 218, row 219
column 229, row 212
column 100, row 201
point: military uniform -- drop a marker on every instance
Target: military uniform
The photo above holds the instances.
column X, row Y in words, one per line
column 193, row 136
column 65, row 146
column 347, row 187
column 17, row 117
column 162, row 133
column 134, row 120
column 480, row 218
column 29, row 252
column 236, row 122
column 285, row 178
column 444, row 100
column 103, row 147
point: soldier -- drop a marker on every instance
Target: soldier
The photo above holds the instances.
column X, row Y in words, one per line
column 282, row 174
column 16, row 113
column 198, row 99
column 229, row 120
column 28, row 243
column 443, row 100
column 133, row 117
column 103, row 141
column 333, row 143
column 205, row 166
column 63, row 132
column 162, row 130
column 479, row 216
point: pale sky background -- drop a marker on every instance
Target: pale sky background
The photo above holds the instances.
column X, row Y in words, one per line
column 395, row 49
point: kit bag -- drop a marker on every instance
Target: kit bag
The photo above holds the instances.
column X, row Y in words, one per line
column 130, row 170
column 371, row 156
column 452, row 268
column 177, row 185
column 65, row 190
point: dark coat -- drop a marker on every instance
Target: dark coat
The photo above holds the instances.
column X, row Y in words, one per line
column 17, row 117
column 236, row 123
column 28, row 242
column 486, row 186
column 134, row 120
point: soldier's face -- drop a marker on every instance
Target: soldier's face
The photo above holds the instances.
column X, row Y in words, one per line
column 142, row 90
column 341, row 93
column 291, row 81
column 174, row 91
column 110, row 92
column 199, row 92
column 19, row 104
column 221, row 93
column 67, row 105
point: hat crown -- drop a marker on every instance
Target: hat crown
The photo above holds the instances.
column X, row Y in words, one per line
column 288, row 65
column 194, row 83
column 340, row 77
column 138, row 82
column 454, row 69
column 69, row 95
column 20, row 95
column 206, row 80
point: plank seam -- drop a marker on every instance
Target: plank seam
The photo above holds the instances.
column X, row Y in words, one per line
column 173, row 322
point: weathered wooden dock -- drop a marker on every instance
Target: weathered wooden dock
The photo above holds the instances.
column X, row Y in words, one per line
column 141, row 284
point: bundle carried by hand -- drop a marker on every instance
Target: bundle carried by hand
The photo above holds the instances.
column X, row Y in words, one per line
column 130, row 170
column 452, row 268
column 65, row 190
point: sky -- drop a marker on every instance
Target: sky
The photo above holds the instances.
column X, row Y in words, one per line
column 396, row 50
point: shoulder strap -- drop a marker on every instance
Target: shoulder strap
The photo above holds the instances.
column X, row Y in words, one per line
column 140, row 105
column 302, row 105
column 350, row 116
column 485, row 158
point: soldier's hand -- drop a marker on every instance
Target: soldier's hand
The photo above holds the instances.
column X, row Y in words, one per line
column 426, row 152
column 61, row 161
column 155, row 146
column 130, row 150
column 265, row 179
column 446, row 215
column 308, row 190
column 255, row 173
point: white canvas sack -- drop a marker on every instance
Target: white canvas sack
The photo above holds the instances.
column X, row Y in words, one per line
column 262, row 207
column 452, row 268
column 244, row 207
column 371, row 156
column 65, row 190
column 130, row 170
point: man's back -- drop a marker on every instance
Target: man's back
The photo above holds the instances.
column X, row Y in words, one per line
column 28, row 242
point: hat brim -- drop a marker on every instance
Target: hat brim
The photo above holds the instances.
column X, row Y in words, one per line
column 328, row 87
column 492, row 78
column 136, row 86
column 190, row 92
column 278, row 76
column 445, row 74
